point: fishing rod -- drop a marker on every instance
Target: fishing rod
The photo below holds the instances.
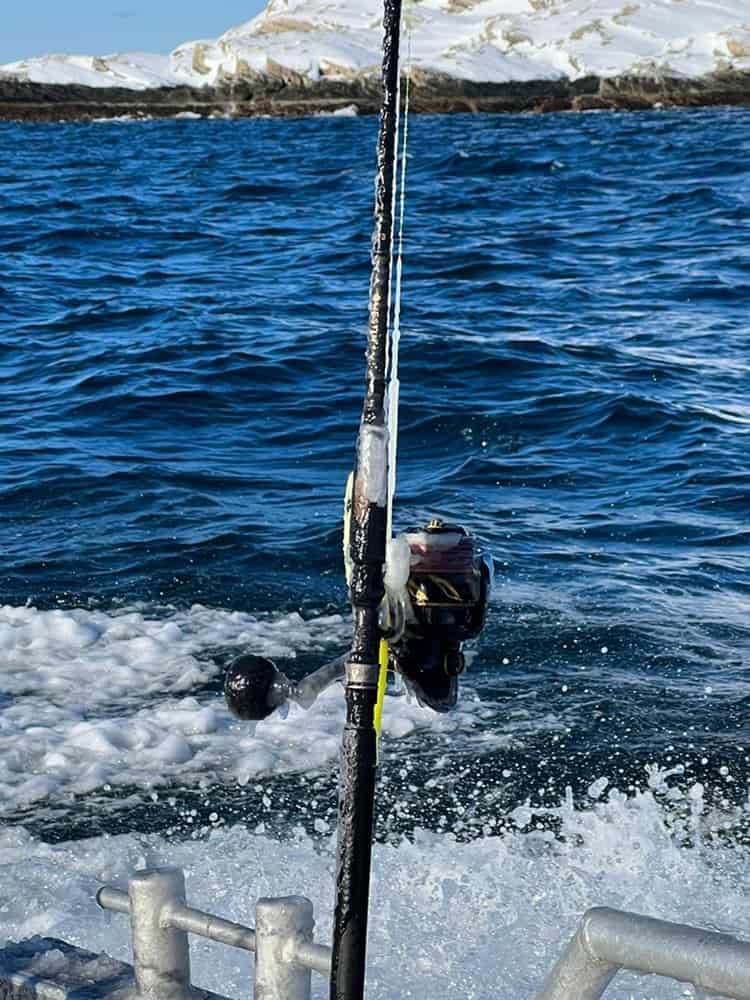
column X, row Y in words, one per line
column 415, row 599
column 367, row 536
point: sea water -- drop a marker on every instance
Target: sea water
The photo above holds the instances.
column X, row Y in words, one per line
column 183, row 312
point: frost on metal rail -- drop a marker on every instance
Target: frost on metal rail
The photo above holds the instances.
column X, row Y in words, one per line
column 161, row 920
column 285, row 953
column 609, row 940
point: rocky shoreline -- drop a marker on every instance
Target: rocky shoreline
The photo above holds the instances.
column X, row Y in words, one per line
column 290, row 96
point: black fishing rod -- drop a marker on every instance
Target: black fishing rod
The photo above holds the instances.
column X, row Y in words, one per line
column 443, row 601
column 367, row 550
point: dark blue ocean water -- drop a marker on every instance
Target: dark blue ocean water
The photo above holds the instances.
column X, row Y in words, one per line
column 183, row 311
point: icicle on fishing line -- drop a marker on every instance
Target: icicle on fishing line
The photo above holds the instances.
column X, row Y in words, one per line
column 397, row 550
column 395, row 340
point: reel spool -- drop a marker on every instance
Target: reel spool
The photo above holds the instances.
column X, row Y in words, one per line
column 448, row 589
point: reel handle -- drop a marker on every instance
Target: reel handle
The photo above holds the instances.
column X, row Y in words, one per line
column 254, row 687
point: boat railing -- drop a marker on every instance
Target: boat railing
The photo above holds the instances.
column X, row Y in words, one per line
column 161, row 920
column 606, row 941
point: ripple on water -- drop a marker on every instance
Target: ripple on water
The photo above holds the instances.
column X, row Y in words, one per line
column 182, row 323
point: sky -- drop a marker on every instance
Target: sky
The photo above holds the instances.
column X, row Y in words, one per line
column 97, row 27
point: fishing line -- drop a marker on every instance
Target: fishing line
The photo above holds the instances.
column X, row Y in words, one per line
column 394, row 384
column 393, row 359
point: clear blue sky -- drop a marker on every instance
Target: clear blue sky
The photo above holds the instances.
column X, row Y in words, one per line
column 34, row 27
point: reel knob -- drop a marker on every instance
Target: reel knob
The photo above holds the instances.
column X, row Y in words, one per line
column 249, row 687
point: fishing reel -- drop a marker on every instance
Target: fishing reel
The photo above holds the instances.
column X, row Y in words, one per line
column 447, row 592
column 436, row 601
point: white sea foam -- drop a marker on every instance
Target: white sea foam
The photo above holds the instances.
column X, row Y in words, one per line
column 348, row 111
column 130, row 697
column 481, row 920
column 479, row 40
column 95, row 699
column 121, row 119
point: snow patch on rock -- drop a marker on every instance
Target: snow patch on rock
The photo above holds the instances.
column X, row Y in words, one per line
column 492, row 41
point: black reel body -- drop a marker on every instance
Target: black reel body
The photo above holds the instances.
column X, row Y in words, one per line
column 448, row 588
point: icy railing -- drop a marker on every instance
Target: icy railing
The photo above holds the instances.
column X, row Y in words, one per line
column 282, row 940
column 285, row 953
column 609, row 940
column 605, row 942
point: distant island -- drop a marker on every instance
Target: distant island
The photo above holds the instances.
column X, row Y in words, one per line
column 310, row 56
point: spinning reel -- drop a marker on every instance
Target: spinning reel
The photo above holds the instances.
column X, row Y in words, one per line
column 448, row 590
column 443, row 605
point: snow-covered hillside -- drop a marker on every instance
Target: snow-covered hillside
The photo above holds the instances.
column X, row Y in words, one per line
column 477, row 40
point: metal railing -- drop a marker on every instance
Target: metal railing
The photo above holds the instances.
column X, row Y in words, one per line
column 286, row 954
column 609, row 940
column 161, row 920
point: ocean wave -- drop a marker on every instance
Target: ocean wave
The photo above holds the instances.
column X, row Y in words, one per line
column 181, row 362
column 482, row 919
